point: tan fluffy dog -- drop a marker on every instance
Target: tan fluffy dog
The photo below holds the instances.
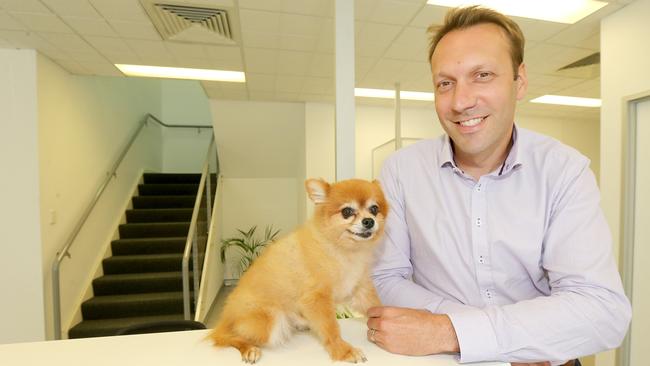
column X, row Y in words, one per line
column 298, row 280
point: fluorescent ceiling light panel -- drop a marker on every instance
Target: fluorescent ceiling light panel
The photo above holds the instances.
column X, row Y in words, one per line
column 390, row 94
column 561, row 11
column 564, row 100
column 182, row 73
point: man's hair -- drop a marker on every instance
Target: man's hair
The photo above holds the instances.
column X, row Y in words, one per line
column 461, row 18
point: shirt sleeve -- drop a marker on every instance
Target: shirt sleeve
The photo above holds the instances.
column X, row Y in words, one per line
column 587, row 311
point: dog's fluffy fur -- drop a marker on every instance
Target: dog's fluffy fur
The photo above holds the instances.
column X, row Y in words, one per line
column 297, row 281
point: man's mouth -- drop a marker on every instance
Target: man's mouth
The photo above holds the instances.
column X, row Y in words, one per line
column 471, row 122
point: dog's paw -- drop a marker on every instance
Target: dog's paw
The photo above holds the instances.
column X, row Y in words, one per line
column 345, row 352
column 251, row 355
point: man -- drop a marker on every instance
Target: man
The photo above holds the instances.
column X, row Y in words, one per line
column 495, row 244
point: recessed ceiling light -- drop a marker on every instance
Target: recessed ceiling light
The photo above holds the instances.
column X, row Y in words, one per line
column 564, row 100
column 561, row 11
column 390, row 94
column 182, row 73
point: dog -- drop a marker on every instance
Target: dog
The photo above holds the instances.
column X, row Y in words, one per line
column 297, row 281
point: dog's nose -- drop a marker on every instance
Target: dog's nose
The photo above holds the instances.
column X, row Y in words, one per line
column 368, row 223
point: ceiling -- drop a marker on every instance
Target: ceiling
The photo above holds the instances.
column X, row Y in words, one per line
column 286, row 47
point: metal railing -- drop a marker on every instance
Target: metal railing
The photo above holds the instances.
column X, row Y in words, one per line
column 65, row 250
column 196, row 244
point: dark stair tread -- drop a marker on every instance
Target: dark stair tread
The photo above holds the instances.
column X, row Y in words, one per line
column 118, row 306
column 154, row 229
column 145, row 215
column 108, row 327
column 169, row 262
column 144, row 246
column 171, row 178
column 168, row 189
column 179, row 201
column 131, row 283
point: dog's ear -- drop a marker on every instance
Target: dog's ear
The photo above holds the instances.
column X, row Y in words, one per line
column 317, row 190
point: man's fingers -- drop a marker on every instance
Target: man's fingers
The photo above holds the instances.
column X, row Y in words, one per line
column 375, row 311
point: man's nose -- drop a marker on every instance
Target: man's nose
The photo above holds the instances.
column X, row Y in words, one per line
column 464, row 97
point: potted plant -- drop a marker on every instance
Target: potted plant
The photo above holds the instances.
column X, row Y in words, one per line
column 248, row 245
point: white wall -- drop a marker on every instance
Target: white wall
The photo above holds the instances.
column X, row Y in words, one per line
column 183, row 102
column 625, row 54
column 262, row 155
column 83, row 125
column 21, row 276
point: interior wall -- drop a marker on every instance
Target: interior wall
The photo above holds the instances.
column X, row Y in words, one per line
column 21, row 274
column 184, row 102
column 83, row 125
column 262, row 153
column 625, row 54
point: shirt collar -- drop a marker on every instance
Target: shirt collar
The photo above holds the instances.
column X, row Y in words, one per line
column 512, row 161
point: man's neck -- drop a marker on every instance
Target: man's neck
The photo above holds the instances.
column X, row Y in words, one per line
column 478, row 165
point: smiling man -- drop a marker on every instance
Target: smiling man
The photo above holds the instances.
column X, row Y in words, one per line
column 496, row 247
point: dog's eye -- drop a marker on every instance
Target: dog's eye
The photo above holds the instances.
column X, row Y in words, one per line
column 347, row 212
column 374, row 210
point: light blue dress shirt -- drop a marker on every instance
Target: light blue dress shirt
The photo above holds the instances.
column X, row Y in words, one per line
column 520, row 260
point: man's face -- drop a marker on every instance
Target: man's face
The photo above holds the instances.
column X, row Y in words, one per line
column 475, row 89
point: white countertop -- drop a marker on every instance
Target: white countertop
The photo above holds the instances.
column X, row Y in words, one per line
column 192, row 349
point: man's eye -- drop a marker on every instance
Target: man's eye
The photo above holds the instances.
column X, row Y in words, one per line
column 483, row 75
column 374, row 209
column 443, row 85
column 347, row 212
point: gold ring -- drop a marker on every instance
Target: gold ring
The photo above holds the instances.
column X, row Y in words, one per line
column 372, row 334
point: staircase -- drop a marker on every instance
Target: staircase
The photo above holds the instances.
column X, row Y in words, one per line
column 142, row 281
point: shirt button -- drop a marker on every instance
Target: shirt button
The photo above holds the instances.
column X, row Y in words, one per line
column 488, row 294
column 481, row 259
column 478, row 222
column 478, row 187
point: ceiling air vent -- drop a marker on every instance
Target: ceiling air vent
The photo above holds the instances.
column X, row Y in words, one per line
column 188, row 23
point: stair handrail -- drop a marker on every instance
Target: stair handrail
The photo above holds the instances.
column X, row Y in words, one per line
column 65, row 250
column 191, row 244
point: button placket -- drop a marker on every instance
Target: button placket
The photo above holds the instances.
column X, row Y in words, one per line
column 480, row 241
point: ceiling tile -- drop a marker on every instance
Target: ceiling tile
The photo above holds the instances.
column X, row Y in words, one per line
column 121, row 10
column 391, row 12
column 302, row 25
column 322, row 65
column 307, row 7
column 90, row 26
column 298, row 43
column 5, row 44
column 101, row 68
column 289, row 84
column 109, row 45
column 22, row 39
column 42, row 22
column 228, row 53
column 258, row 60
column 135, row 30
column 315, row 85
column 7, row 22
column 293, row 63
column 194, row 63
column 260, row 39
column 182, row 50
column 259, row 21
column 537, row 30
column 67, row 42
column 31, row 6
column 260, row 82
column 428, row 15
column 72, row 67
column 74, row 8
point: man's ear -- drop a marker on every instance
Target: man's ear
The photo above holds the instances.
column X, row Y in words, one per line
column 522, row 82
column 317, row 190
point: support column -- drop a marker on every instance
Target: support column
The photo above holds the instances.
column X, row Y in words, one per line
column 344, row 69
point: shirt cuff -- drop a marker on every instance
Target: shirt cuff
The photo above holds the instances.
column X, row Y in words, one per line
column 476, row 337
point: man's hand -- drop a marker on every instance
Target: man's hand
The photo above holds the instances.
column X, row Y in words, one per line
column 410, row 331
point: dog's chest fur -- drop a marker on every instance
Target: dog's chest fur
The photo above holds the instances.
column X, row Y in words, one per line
column 351, row 272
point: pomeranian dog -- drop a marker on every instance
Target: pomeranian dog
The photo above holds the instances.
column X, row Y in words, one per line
column 297, row 281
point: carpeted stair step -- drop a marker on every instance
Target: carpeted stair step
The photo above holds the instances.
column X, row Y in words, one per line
column 145, row 263
column 159, row 215
column 174, row 189
column 148, row 246
column 109, row 327
column 133, row 283
column 119, row 306
column 186, row 201
column 167, row 178
column 154, row 230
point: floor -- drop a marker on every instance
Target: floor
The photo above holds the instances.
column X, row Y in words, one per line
column 213, row 315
